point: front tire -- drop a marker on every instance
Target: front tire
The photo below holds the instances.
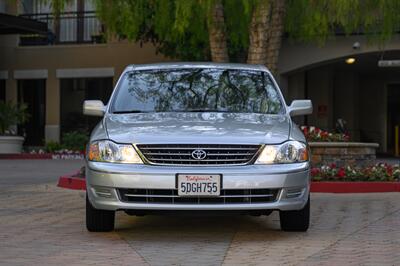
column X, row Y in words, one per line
column 296, row 221
column 98, row 220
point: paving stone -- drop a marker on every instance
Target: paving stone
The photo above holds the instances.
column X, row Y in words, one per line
column 41, row 224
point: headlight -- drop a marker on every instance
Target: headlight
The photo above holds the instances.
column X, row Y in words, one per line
column 288, row 152
column 108, row 151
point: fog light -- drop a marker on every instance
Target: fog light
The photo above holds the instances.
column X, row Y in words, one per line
column 294, row 192
column 103, row 192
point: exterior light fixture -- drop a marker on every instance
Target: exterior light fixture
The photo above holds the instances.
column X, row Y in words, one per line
column 350, row 60
column 389, row 63
column 356, row 45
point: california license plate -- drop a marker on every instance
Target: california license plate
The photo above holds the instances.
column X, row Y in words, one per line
column 199, row 185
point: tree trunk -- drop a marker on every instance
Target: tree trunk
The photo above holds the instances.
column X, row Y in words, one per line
column 275, row 33
column 259, row 33
column 217, row 33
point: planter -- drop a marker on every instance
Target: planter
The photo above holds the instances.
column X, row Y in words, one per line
column 343, row 153
column 354, row 187
column 11, row 144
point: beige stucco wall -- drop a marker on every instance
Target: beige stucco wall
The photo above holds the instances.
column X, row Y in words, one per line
column 52, row 100
column 117, row 55
column 11, row 90
column 114, row 55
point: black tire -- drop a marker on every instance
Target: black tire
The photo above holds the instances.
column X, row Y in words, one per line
column 99, row 220
column 296, row 221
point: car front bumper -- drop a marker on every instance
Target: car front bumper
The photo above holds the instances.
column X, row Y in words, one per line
column 103, row 180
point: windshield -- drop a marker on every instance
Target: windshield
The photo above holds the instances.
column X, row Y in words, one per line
column 197, row 90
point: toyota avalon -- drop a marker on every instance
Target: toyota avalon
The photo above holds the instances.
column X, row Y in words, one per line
column 197, row 137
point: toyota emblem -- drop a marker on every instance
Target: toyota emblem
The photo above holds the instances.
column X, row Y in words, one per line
column 199, row 154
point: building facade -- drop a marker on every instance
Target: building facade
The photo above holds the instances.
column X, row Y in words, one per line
column 56, row 73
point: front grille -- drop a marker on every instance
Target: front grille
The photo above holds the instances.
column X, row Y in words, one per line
column 170, row 196
column 216, row 154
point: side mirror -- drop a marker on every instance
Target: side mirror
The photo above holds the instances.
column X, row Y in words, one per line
column 300, row 107
column 94, row 108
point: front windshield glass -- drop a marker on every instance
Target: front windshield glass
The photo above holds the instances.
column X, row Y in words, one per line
column 197, row 90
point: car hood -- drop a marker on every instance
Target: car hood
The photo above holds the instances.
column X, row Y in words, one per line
column 209, row 127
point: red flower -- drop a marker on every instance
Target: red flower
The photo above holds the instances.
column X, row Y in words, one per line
column 341, row 173
column 333, row 165
column 324, row 135
column 389, row 170
column 315, row 171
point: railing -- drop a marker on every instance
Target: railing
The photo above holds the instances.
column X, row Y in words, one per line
column 67, row 28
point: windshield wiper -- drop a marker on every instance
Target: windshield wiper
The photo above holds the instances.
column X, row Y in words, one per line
column 190, row 110
column 205, row 110
column 128, row 112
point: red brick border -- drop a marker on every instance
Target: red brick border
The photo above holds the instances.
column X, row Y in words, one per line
column 39, row 156
column 72, row 182
column 78, row 183
column 355, row 187
column 26, row 156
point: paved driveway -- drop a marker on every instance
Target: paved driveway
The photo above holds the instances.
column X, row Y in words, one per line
column 41, row 224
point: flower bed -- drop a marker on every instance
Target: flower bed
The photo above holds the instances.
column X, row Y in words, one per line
column 378, row 172
column 314, row 134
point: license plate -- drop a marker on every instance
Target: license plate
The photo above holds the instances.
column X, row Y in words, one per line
column 199, row 185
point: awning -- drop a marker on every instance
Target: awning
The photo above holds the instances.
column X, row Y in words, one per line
column 10, row 24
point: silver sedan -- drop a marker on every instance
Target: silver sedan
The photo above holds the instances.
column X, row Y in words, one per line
column 197, row 137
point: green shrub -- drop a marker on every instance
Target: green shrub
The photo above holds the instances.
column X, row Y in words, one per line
column 75, row 141
column 12, row 114
column 53, row 146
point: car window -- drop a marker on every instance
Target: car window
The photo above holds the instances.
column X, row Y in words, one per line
column 185, row 90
